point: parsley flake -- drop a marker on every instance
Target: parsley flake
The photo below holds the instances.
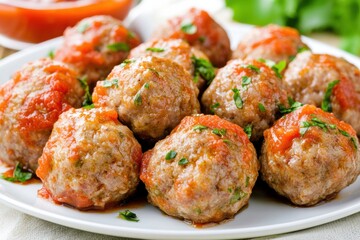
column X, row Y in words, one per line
column 183, row 161
column 154, row 49
column 19, row 175
column 276, row 67
column 119, row 46
column 261, row 107
column 126, row 62
column 254, row 68
column 293, row 106
column 237, row 98
column 199, row 127
column 248, row 130
column 51, row 54
column 138, row 99
column 204, row 68
column 220, row 132
column 110, row 83
column 87, row 96
column 147, row 85
column 213, row 107
column 188, row 27
column 245, row 81
column 170, row 155
column 129, row 216
column 326, row 102
column 247, row 180
column 237, row 195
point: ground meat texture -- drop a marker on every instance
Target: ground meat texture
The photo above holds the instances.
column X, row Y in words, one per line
column 309, row 156
column 201, row 31
column 177, row 50
column 95, row 45
column 309, row 75
column 91, row 160
column 30, row 103
column 271, row 42
column 150, row 94
column 247, row 93
column 204, row 171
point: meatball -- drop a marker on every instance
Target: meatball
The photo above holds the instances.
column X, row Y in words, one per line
column 271, row 42
column 310, row 75
column 247, row 93
column 201, row 31
column 91, row 160
column 30, row 103
column 150, row 94
column 95, row 45
column 309, row 155
column 192, row 59
column 204, row 171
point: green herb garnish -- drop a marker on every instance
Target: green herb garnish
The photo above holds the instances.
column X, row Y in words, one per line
column 213, row 107
column 183, row 161
column 147, row 85
column 126, row 62
column 199, row 127
column 154, row 71
column 237, row 98
column 88, row 107
column 170, row 155
column 276, row 67
column 110, row 83
column 237, row 195
column 220, row 132
column 248, row 130
column 204, row 68
column 51, row 54
column 326, row 102
column 293, row 106
column 245, row 81
column 19, row 175
column 87, row 96
column 119, row 46
column 254, row 68
column 227, row 141
column 247, row 180
column 153, row 49
column 261, row 107
column 138, row 99
column 188, row 28
column 129, row 216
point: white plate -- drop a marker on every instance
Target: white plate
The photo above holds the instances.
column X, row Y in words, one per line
column 265, row 214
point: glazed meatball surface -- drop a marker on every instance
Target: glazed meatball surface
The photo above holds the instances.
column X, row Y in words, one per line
column 247, row 93
column 204, row 171
column 30, row 103
column 91, row 160
column 271, row 42
column 309, row 156
column 150, row 94
column 95, row 45
column 182, row 53
column 201, row 31
column 309, row 75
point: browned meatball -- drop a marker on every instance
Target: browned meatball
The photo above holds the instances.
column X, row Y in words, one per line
column 247, row 93
column 182, row 53
column 201, row 31
column 30, row 103
column 95, row 45
column 310, row 75
column 91, row 160
column 271, row 42
column 150, row 94
column 204, row 171
column 309, row 156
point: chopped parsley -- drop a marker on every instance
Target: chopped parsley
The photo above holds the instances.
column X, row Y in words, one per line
column 213, row 107
column 126, row 62
column 87, row 97
column 261, row 107
column 82, row 27
column 153, row 49
column 129, row 216
column 293, row 106
column 326, row 102
column 131, row 34
column 245, row 81
column 220, row 132
column 19, row 175
column 203, row 68
column 227, row 141
column 147, row 85
column 183, row 161
column 254, row 68
column 302, row 49
column 88, row 107
column 119, row 46
column 51, row 54
column 188, row 27
column 237, row 195
column 276, row 67
column 170, row 155
column 247, row 181
column 138, row 99
column 154, row 71
column 199, row 127
column 110, row 83
column 248, row 130
column 237, row 98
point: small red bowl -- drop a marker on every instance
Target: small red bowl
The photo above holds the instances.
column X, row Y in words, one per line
column 35, row 21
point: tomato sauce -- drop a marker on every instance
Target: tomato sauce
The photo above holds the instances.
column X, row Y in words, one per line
column 37, row 21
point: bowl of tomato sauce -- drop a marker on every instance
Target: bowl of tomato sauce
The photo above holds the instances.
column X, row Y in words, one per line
column 34, row 21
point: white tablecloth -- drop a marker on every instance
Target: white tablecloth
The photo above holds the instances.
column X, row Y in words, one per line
column 15, row 225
